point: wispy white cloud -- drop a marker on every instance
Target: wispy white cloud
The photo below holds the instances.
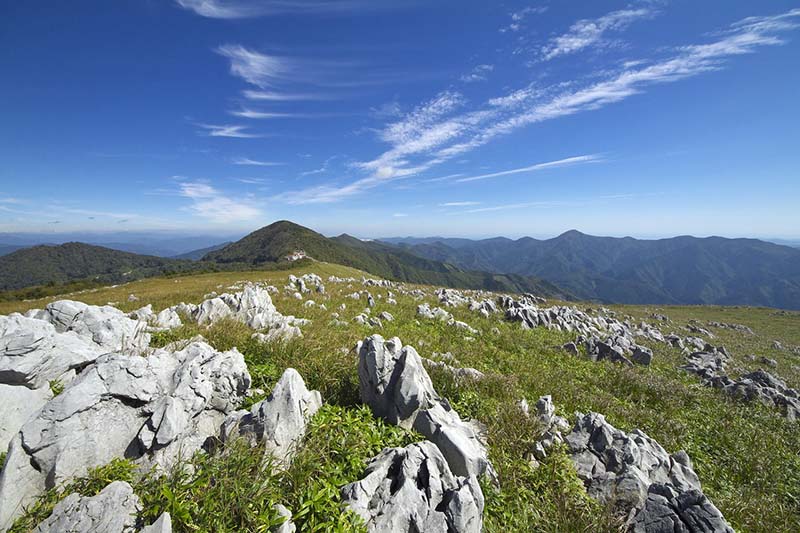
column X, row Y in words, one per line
column 323, row 169
column 219, row 9
column 529, row 107
column 216, row 207
column 228, row 130
column 422, row 130
column 255, row 162
column 321, row 194
column 478, row 73
column 282, row 78
column 588, row 32
column 388, row 110
column 458, row 204
column 548, row 204
column 250, row 113
column 445, row 178
column 400, row 215
column 527, row 11
column 518, row 17
column 237, row 9
column 251, row 181
column 440, row 130
column 260, row 115
column 275, row 96
column 569, row 161
column 258, row 69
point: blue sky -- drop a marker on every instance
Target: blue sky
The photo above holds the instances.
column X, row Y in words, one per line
column 377, row 118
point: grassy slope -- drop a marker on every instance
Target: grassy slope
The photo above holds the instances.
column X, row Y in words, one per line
column 746, row 455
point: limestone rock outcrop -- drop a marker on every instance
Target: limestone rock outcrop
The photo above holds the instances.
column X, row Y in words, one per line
column 638, row 479
column 106, row 326
column 279, row 422
column 395, row 384
column 113, row 510
column 413, row 489
column 163, row 408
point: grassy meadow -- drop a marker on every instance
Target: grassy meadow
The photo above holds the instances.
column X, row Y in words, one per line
column 747, row 456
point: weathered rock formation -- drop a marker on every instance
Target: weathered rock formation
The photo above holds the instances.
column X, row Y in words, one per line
column 112, row 510
column 638, row 479
column 155, row 409
column 394, row 383
column 413, row 489
column 279, row 422
column 710, row 366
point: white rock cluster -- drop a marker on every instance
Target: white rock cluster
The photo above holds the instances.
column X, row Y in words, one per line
column 304, row 283
column 252, row 306
column 437, row 479
column 635, row 476
column 122, row 399
column 163, row 407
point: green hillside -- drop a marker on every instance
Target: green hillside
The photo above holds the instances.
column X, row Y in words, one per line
column 280, row 239
column 40, row 265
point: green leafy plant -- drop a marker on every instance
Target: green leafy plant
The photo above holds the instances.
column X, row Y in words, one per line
column 56, row 386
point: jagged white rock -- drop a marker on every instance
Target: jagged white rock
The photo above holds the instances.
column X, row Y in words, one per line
column 279, row 422
column 413, row 489
column 106, row 326
column 163, row 407
column 396, row 386
column 33, row 352
column 163, row 524
column 288, row 525
column 113, row 510
column 635, row 475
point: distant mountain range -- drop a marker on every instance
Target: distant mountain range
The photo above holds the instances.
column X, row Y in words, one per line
column 680, row 270
column 265, row 248
column 275, row 242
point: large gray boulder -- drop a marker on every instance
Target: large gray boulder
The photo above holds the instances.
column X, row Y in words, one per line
column 618, row 468
column 279, row 422
column 106, row 326
column 396, row 386
column 634, row 475
column 153, row 409
column 113, row 510
column 413, row 489
column 33, row 352
column 668, row 511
